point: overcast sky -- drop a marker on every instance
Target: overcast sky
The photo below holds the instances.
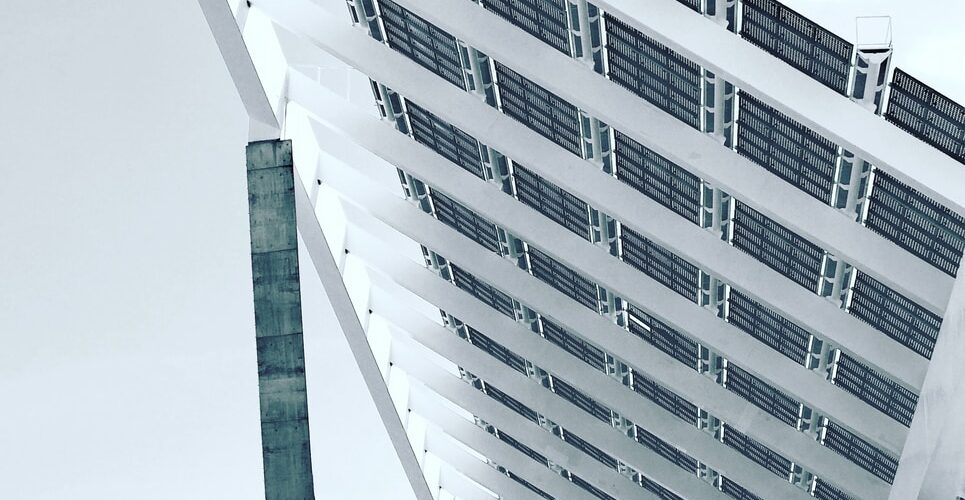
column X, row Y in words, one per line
column 127, row 368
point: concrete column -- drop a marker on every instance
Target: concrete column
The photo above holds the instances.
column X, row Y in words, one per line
column 278, row 322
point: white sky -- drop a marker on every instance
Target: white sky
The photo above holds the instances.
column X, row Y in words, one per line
column 127, row 368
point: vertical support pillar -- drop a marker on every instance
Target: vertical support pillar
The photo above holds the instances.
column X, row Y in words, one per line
column 870, row 78
column 278, row 321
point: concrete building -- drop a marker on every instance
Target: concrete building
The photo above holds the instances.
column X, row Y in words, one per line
column 621, row 249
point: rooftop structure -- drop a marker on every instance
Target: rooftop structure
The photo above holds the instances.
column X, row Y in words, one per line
column 615, row 249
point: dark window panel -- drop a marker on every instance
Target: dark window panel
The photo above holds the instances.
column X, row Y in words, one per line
column 653, row 71
column 562, row 278
column 511, row 403
column 776, row 246
column 661, row 336
column 864, row 454
column 769, row 327
column 497, row 350
column 879, row 391
column 916, row 223
column 544, row 19
column 445, row 139
column 667, row 450
column 800, row 42
column 552, row 201
column 786, row 148
column 573, row 344
column 665, row 398
column 539, row 109
column 660, row 264
column 483, row 291
column 460, row 218
column 422, row 42
column 526, row 450
column 762, row 395
column 927, row 114
column 910, row 324
column 657, row 177
column 760, row 454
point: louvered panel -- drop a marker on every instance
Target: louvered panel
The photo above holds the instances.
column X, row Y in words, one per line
column 544, row 19
column 864, row 454
column 762, row 395
column 573, row 344
column 916, row 223
column 422, row 42
column 497, row 350
column 734, row 490
column 666, row 450
column 760, row 454
column 800, row 42
column 663, row 493
column 777, row 247
column 824, row 491
column 529, row 485
column 593, row 490
column 657, row 177
column 526, row 450
column 665, row 398
column 927, row 114
column 594, row 452
column 460, row 218
column 483, row 291
column 660, row 264
column 769, row 327
column 786, row 148
column 910, row 324
column 879, row 391
column 653, row 71
column 511, row 403
column 445, row 139
column 539, row 109
column 662, row 337
column 581, row 400
column 562, row 278
column 552, row 201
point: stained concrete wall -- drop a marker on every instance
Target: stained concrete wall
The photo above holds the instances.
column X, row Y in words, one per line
column 278, row 322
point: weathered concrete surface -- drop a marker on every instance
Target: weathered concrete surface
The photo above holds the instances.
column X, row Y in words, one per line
column 278, row 322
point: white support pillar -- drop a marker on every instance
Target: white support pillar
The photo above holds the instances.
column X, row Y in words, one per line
column 870, row 80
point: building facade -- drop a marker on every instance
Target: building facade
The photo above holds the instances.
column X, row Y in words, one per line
column 615, row 249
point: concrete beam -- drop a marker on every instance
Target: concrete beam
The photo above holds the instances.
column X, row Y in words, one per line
column 628, row 282
column 604, row 389
column 699, row 153
column 792, row 92
column 263, row 125
column 338, row 296
column 641, row 356
column 278, row 322
column 615, row 198
column 459, row 392
column 745, row 273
